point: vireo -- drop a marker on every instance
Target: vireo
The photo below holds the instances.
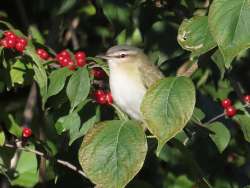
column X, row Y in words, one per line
column 131, row 74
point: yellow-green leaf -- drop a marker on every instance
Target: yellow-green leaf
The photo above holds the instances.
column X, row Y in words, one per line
column 229, row 24
column 167, row 107
column 113, row 152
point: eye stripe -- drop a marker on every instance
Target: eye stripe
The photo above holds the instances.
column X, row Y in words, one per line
column 120, row 56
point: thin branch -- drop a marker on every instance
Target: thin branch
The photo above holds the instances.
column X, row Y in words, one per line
column 41, row 154
column 71, row 34
column 214, row 118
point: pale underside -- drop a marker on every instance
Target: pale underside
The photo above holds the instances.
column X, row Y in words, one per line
column 128, row 84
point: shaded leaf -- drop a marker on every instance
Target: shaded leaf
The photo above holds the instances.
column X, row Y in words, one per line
column 27, row 170
column 57, row 81
column 69, row 122
column 113, row 152
column 229, row 24
column 40, row 73
column 167, row 106
column 66, row 5
column 2, row 137
column 219, row 61
column 244, row 121
column 13, row 126
column 194, row 35
column 78, row 87
column 36, row 34
column 77, row 133
column 220, row 136
column 17, row 72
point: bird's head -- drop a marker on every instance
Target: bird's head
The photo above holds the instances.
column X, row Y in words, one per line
column 123, row 54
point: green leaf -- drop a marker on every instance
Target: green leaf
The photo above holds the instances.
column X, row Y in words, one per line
column 66, row 6
column 27, row 170
column 229, row 24
column 69, row 122
column 36, row 34
column 220, row 136
column 88, row 9
column 167, row 106
column 40, row 73
column 198, row 114
column 41, row 79
column 78, row 87
column 117, row 12
column 17, row 73
column 219, row 61
column 136, row 37
column 244, row 121
column 76, row 133
column 113, row 152
column 57, row 81
column 13, row 126
column 194, row 35
column 121, row 37
column 2, row 138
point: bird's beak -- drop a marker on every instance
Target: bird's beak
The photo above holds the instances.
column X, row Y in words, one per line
column 103, row 56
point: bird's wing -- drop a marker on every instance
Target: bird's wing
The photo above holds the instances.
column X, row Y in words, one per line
column 149, row 74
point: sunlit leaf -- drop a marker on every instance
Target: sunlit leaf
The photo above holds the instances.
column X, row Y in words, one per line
column 229, row 24
column 194, row 35
column 167, row 107
column 113, row 152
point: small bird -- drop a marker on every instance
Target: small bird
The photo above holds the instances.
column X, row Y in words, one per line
column 131, row 74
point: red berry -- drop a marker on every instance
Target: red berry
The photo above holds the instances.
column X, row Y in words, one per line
column 22, row 40
column 20, row 46
column 27, row 132
column 99, row 93
column 247, row 98
column 98, row 73
column 43, row 54
column 226, row 103
column 65, row 62
column 80, row 55
column 101, row 100
column 65, row 54
column 3, row 42
column 7, row 33
column 100, row 96
column 12, row 36
column 71, row 65
column 230, row 111
column 59, row 57
column 80, row 62
column 10, row 42
column 109, row 98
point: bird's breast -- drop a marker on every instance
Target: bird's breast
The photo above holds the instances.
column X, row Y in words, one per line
column 127, row 89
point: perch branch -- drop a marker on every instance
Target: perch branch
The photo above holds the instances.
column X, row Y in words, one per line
column 41, row 154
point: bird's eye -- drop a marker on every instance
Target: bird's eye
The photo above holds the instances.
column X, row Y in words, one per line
column 122, row 55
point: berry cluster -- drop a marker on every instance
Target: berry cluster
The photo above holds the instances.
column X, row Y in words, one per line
column 65, row 59
column 102, row 97
column 13, row 41
column 27, row 132
column 230, row 110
